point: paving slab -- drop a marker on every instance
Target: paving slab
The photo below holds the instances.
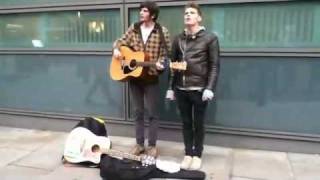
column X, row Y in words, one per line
column 26, row 139
column 266, row 165
column 12, row 172
column 73, row 173
column 217, row 162
column 10, row 155
column 48, row 157
column 8, row 135
column 305, row 166
column 241, row 178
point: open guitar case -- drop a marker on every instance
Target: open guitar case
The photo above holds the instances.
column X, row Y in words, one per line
column 116, row 169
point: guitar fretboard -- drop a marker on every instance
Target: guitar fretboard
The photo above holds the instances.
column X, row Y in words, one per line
column 117, row 153
column 146, row 64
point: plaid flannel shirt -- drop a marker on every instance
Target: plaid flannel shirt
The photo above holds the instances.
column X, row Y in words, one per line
column 153, row 47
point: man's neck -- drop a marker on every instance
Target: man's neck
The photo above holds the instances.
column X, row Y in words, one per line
column 193, row 29
column 148, row 24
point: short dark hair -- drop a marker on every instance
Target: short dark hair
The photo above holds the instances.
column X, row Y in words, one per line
column 152, row 7
column 194, row 6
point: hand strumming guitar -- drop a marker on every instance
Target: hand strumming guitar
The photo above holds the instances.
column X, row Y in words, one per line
column 117, row 54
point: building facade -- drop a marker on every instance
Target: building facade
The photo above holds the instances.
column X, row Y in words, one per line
column 55, row 56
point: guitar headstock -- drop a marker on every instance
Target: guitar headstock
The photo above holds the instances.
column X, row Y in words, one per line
column 182, row 66
column 147, row 160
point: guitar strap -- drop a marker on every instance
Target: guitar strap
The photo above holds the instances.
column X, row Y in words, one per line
column 163, row 41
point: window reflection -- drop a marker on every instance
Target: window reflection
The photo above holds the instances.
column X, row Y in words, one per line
column 72, row 29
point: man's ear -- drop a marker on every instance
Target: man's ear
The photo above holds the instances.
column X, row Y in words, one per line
column 152, row 17
column 199, row 19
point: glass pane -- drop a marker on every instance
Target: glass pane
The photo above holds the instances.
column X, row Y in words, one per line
column 60, row 83
column 279, row 94
column 254, row 25
column 70, row 29
column 266, row 25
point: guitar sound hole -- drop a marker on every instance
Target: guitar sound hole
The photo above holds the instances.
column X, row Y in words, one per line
column 133, row 64
column 131, row 67
column 95, row 148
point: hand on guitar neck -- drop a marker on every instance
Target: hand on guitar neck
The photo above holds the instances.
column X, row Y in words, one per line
column 179, row 66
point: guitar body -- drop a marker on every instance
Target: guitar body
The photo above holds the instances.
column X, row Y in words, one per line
column 136, row 64
column 79, row 146
column 120, row 69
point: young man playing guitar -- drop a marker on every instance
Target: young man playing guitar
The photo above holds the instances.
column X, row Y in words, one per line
column 145, row 36
column 195, row 86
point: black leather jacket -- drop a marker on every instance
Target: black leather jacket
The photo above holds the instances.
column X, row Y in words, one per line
column 201, row 52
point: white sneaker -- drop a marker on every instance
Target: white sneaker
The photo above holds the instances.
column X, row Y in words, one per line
column 186, row 162
column 196, row 163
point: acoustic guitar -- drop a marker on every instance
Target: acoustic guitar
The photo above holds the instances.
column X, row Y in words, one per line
column 84, row 146
column 133, row 63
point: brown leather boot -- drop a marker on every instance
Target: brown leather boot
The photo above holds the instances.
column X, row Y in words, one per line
column 137, row 150
column 152, row 151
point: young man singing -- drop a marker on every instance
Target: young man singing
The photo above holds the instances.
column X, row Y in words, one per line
column 145, row 35
column 194, row 87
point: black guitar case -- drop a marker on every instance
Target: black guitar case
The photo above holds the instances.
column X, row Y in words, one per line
column 95, row 125
column 116, row 169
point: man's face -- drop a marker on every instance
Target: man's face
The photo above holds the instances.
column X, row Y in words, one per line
column 145, row 15
column 191, row 17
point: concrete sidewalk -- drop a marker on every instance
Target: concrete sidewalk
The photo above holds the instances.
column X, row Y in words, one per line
column 33, row 154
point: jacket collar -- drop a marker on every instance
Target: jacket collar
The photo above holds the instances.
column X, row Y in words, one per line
column 136, row 27
column 201, row 28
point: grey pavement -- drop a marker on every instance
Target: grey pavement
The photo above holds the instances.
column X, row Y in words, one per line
column 34, row 154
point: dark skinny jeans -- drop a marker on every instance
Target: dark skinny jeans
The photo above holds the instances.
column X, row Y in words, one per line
column 145, row 97
column 192, row 111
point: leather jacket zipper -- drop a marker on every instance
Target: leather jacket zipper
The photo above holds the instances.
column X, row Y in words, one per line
column 183, row 46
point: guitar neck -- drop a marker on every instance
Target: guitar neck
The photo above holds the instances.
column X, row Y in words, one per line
column 146, row 64
column 117, row 153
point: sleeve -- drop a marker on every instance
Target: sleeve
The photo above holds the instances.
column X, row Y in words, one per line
column 174, row 57
column 213, row 64
column 125, row 40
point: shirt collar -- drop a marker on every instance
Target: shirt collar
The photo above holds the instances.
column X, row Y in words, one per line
column 200, row 29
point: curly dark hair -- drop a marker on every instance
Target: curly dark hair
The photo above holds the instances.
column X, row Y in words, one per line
column 152, row 7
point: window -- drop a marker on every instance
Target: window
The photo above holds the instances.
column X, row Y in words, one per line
column 70, row 29
column 254, row 25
